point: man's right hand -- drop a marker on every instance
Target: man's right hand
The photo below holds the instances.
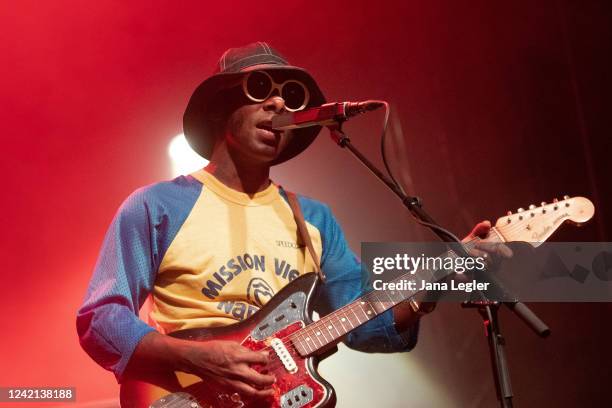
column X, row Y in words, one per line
column 229, row 363
column 225, row 362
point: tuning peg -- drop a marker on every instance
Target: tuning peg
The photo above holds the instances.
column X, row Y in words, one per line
column 566, row 197
column 555, row 200
column 531, row 206
column 520, row 210
column 543, row 203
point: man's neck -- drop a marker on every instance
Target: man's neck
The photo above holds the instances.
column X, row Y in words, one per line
column 246, row 179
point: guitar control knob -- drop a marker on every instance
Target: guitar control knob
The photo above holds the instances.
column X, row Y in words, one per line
column 543, row 203
column 555, row 200
column 520, row 210
column 531, row 206
column 509, row 213
column 566, row 197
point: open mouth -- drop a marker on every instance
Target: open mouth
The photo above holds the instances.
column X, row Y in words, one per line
column 267, row 126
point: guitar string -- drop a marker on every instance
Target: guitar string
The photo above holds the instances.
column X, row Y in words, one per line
column 350, row 308
column 346, row 308
column 501, row 236
column 352, row 305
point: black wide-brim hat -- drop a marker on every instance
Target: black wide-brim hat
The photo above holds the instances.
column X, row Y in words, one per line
column 234, row 63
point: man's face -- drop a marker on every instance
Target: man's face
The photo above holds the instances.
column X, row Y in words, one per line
column 248, row 129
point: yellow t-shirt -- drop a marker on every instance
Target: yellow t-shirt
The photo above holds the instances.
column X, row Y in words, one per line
column 231, row 255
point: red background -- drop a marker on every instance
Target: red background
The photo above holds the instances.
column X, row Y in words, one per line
column 501, row 104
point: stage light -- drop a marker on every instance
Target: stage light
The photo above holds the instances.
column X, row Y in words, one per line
column 183, row 159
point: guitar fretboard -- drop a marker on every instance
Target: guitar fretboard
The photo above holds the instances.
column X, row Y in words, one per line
column 333, row 327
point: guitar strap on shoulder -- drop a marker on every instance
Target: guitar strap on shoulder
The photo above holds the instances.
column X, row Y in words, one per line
column 303, row 231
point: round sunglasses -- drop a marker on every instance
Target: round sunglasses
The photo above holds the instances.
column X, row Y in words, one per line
column 259, row 85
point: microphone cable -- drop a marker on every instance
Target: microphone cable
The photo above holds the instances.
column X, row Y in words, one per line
column 383, row 141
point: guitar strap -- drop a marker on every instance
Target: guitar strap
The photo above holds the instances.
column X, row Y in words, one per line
column 303, row 231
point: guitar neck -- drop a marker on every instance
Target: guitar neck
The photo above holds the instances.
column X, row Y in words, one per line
column 333, row 327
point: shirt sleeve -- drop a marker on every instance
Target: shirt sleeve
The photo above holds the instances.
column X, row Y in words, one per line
column 345, row 282
column 107, row 322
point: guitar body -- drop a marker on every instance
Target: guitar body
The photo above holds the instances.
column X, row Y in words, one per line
column 297, row 382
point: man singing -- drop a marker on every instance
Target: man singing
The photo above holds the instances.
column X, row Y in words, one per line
column 214, row 246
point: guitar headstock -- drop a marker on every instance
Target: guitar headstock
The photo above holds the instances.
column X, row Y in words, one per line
column 536, row 224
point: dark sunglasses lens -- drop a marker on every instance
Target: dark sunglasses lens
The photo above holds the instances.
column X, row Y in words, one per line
column 259, row 85
column 294, row 95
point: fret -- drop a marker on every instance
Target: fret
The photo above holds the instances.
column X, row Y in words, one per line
column 341, row 322
column 322, row 330
column 344, row 319
column 311, row 346
column 352, row 307
column 361, row 305
column 397, row 297
column 342, row 325
column 379, row 307
column 301, row 344
column 331, row 326
column 383, row 304
column 322, row 326
column 388, row 296
column 314, row 337
column 311, row 343
column 335, row 325
column 308, row 342
column 370, row 312
column 319, row 331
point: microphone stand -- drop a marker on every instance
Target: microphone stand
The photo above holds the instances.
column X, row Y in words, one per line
column 486, row 308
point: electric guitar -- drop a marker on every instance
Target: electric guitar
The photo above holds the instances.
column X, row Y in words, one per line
column 296, row 343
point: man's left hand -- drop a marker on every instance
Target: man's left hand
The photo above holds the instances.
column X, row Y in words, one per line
column 491, row 251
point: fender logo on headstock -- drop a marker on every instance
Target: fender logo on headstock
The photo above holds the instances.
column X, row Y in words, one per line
column 536, row 224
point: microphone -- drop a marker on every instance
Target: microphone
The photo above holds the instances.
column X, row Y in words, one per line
column 324, row 115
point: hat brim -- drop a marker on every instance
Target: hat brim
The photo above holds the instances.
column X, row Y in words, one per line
column 197, row 124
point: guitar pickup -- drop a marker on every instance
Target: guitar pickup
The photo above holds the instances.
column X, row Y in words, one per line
column 284, row 355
